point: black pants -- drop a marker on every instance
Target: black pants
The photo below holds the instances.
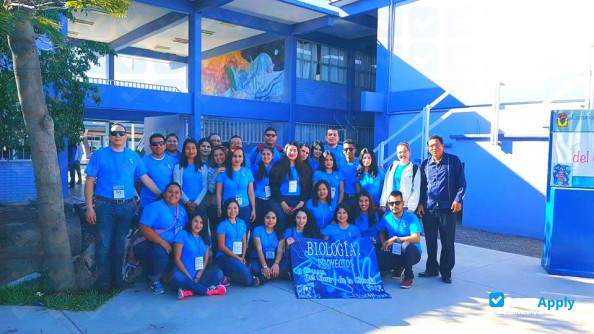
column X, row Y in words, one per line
column 75, row 168
column 443, row 221
column 407, row 259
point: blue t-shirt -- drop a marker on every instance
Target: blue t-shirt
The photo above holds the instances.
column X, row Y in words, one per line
column 285, row 188
column 192, row 181
column 237, row 187
column 323, row 213
column 349, row 172
column 260, row 186
column 193, row 247
column 314, row 164
column 398, row 176
column 113, row 169
column 291, row 232
column 404, row 226
column 335, row 233
column 161, row 172
column 333, row 179
column 337, row 151
column 373, row 185
column 167, row 221
column 268, row 240
column 233, row 233
column 255, row 157
column 175, row 156
column 362, row 222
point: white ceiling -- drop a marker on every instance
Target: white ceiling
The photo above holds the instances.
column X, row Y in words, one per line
column 106, row 28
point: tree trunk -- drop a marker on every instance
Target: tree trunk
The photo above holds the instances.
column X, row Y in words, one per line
column 40, row 129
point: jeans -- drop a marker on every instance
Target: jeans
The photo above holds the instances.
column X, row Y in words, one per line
column 237, row 271
column 256, row 268
column 443, row 221
column 154, row 257
column 113, row 224
column 262, row 208
column 411, row 256
column 244, row 213
column 209, row 278
column 281, row 217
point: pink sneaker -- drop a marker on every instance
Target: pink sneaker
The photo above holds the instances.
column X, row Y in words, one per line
column 218, row 290
column 407, row 283
column 225, row 281
column 181, row 293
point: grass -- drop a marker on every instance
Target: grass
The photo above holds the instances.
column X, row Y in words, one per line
column 37, row 293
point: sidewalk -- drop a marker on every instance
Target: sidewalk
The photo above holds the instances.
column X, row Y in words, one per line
column 273, row 308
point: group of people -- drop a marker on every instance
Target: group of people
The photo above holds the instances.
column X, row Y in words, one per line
column 247, row 208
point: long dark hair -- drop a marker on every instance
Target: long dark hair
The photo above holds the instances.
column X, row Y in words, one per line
column 347, row 208
column 277, row 228
column 203, row 140
column 319, row 144
column 229, row 162
column 372, row 168
column 262, row 173
column 315, row 199
column 226, row 206
column 322, row 165
column 371, row 212
column 183, row 161
column 203, row 232
column 284, row 168
column 311, row 229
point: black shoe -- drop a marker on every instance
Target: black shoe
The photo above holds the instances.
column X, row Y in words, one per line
column 428, row 274
column 79, row 182
column 447, row 280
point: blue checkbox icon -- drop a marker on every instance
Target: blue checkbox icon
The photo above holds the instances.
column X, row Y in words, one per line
column 496, row 299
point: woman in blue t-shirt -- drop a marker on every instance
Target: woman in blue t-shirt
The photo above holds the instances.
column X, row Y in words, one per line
column 237, row 182
column 191, row 252
column 205, row 147
column 159, row 223
column 369, row 176
column 320, row 204
column 341, row 228
column 367, row 218
column 317, row 148
column 329, row 172
column 232, row 237
column 192, row 175
column 261, row 173
column 290, row 184
column 304, row 226
column 267, row 261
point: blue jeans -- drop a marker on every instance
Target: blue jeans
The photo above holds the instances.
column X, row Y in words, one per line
column 154, row 257
column 262, row 208
column 244, row 213
column 113, row 224
column 281, row 217
column 237, row 271
column 256, row 268
column 209, row 278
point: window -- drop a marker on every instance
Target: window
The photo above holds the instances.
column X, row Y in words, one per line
column 321, row 62
column 365, row 71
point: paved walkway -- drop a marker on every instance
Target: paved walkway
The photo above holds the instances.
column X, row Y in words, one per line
column 273, row 308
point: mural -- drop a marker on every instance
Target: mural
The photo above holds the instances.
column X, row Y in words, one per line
column 256, row 73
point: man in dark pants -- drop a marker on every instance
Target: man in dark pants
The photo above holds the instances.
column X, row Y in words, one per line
column 442, row 189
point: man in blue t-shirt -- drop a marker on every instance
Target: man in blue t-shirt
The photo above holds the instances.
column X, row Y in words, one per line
column 348, row 168
column 111, row 173
column 332, row 145
column 159, row 167
column 270, row 139
column 401, row 249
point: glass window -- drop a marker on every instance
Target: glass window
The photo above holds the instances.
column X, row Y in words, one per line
column 321, row 62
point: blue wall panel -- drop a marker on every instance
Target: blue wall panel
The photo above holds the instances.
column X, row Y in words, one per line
column 321, row 94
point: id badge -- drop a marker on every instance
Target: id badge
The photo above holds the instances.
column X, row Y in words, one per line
column 333, row 192
column 267, row 191
column 293, row 186
column 237, row 247
column 239, row 200
column 199, row 263
column 118, row 193
column 397, row 248
column 270, row 254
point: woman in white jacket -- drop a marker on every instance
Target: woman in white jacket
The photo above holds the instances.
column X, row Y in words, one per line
column 404, row 176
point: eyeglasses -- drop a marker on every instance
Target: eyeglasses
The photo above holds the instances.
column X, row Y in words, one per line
column 395, row 203
column 348, row 149
column 270, row 135
column 158, row 143
column 117, row 133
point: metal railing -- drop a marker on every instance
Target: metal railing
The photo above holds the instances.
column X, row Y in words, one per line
column 131, row 84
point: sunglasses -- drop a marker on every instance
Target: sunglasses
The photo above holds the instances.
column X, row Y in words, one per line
column 270, row 135
column 348, row 149
column 158, row 143
column 117, row 133
column 395, row 203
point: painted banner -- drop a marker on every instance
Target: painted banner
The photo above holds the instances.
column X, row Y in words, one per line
column 572, row 152
column 341, row 269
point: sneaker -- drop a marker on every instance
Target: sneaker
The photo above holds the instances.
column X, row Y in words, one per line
column 256, row 281
column 397, row 273
column 218, row 290
column 406, row 283
column 181, row 293
column 225, row 281
column 157, row 288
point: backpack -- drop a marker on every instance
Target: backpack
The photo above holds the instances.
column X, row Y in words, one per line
column 261, row 146
column 415, row 170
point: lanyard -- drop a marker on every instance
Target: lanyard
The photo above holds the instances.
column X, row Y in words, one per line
column 196, row 243
column 175, row 215
column 270, row 241
column 115, row 163
column 236, row 228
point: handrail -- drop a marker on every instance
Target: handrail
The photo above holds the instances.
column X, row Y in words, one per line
column 131, row 84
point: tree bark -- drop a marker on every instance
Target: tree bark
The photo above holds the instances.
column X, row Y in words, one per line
column 40, row 129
